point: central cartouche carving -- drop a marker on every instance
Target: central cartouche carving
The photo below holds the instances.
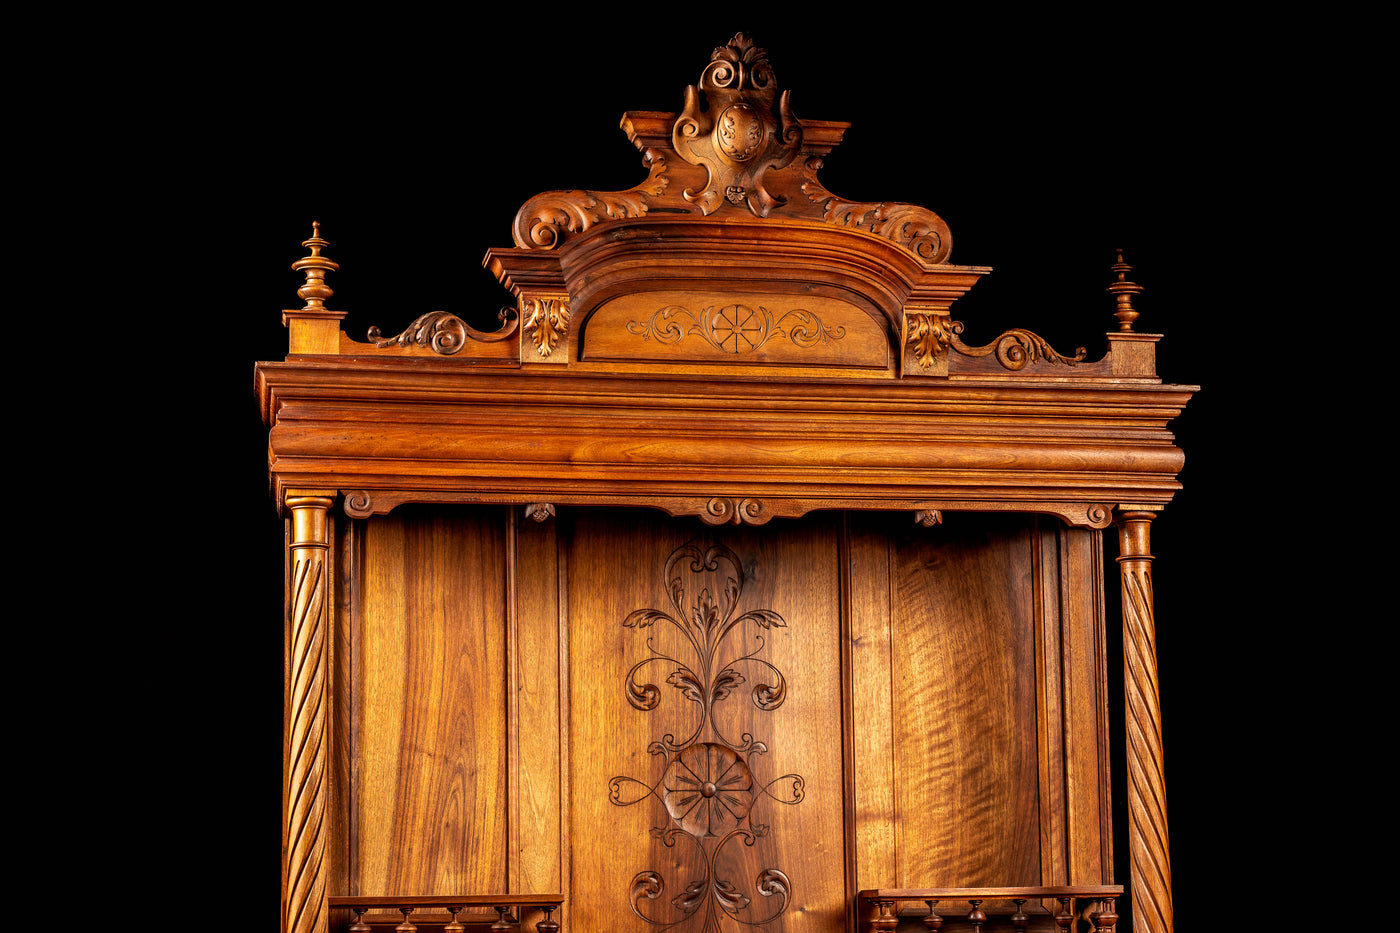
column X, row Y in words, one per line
column 737, row 138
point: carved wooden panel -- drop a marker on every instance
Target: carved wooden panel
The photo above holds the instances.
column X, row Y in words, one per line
column 707, row 769
column 736, row 328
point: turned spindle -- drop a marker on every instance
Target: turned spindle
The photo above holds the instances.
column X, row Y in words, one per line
column 1105, row 920
column 1019, row 917
column 1064, row 919
column 887, row 919
column 359, row 926
column 503, row 924
column 456, row 925
column 548, row 924
column 932, row 920
column 407, row 926
column 976, row 916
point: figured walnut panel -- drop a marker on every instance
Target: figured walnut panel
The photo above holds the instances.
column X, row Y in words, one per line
column 428, row 762
column 966, row 770
column 634, row 728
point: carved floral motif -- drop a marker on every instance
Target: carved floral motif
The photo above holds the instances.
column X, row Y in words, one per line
column 546, row 321
column 735, row 328
column 737, row 139
column 929, row 335
column 707, row 785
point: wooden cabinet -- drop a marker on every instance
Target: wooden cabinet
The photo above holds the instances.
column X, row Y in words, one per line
column 724, row 580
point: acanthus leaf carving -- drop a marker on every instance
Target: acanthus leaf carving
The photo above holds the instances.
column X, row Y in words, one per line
column 929, row 335
column 546, row 321
column 543, row 221
column 916, row 229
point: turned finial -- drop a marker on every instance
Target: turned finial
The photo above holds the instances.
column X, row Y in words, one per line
column 315, row 291
column 1123, row 291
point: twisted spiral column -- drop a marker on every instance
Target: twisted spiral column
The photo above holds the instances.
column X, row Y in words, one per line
column 1147, row 807
column 304, row 834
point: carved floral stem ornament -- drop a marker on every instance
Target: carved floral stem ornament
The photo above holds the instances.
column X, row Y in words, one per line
column 707, row 785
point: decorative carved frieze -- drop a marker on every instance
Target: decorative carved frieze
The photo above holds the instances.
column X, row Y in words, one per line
column 737, row 139
column 708, row 785
column 735, row 328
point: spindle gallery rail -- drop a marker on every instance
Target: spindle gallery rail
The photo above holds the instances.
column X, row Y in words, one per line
column 881, row 907
column 468, row 908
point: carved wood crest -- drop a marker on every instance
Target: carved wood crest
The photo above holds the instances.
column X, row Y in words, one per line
column 737, row 138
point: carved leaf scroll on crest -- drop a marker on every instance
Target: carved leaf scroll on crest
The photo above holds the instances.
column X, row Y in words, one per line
column 737, row 138
column 707, row 786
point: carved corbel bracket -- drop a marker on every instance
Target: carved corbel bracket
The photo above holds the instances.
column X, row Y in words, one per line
column 927, row 335
column 545, row 327
column 738, row 138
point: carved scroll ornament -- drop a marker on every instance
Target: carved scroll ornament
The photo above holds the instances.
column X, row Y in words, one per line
column 737, row 139
column 915, row 228
column 444, row 333
column 1018, row 348
column 707, row 785
column 543, row 220
column 735, row 328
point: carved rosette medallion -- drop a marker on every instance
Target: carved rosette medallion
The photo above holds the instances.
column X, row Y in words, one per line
column 737, row 139
column 707, row 785
column 735, row 328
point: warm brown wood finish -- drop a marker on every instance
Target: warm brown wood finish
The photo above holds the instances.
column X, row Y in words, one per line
column 724, row 585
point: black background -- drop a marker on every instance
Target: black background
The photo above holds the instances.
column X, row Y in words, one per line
column 1044, row 143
